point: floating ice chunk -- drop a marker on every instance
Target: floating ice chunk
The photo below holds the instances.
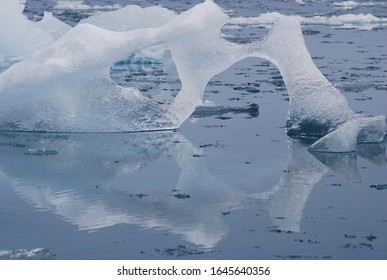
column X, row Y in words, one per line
column 353, row 21
column 372, row 130
column 80, row 5
column 26, row 254
column 346, row 5
column 266, row 19
column 346, row 136
column 40, row 152
column 350, row 5
column 358, row 21
column 217, row 110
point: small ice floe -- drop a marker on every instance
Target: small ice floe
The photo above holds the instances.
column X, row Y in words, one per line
column 346, row 21
column 347, row 135
column 218, row 110
column 26, row 254
column 40, row 152
column 351, row 5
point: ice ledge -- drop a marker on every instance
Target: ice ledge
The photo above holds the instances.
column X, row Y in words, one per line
column 346, row 137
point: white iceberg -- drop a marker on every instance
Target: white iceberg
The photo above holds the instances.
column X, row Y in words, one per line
column 67, row 87
column 21, row 37
column 317, row 108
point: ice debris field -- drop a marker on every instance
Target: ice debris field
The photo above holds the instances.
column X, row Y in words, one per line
column 55, row 78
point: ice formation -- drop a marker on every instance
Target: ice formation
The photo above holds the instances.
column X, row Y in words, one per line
column 316, row 107
column 21, row 37
column 66, row 86
column 72, row 89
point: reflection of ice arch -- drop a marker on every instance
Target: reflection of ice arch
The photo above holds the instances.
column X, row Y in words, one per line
column 71, row 176
column 285, row 202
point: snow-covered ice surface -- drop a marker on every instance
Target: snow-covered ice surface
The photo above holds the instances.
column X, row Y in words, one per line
column 230, row 183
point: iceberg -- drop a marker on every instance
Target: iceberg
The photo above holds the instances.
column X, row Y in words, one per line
column 66, row 86
column 21, row 37
column 317, row 109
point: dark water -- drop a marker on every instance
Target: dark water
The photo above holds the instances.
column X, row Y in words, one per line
column 227, row 185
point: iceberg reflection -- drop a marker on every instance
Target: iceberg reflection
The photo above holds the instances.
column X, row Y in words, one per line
column 71, row 175
column 285, row 202
column 80, row 177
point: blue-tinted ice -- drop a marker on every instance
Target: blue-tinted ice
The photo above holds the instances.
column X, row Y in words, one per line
column 66, row 86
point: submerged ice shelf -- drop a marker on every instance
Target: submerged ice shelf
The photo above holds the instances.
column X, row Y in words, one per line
column 65, row 85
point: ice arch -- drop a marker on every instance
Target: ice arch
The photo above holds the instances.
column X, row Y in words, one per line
column 72, row 89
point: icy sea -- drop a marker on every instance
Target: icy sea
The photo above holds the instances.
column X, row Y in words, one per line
column 230, row 183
